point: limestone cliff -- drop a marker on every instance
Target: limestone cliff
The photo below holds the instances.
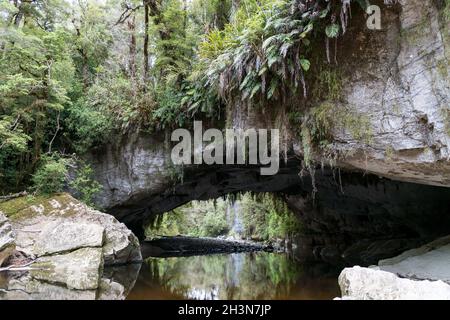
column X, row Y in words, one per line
column 391, row 119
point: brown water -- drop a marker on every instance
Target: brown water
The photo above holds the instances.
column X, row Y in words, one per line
column 249, row 276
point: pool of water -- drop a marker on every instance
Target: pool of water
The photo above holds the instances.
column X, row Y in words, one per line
column 249, row 276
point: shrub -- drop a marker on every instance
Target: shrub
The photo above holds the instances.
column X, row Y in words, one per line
column 85, row 185
column 51, row 175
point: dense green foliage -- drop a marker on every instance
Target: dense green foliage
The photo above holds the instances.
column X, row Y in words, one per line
column 199, row 218
column 267, row 217
column 84, row 184
column 76, row 74
column 50, row 175
column 260, row 217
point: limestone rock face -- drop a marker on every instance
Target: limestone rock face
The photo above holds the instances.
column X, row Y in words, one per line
column 80, row 269
column 120, row 244
column 7, row 241
column 429, row 262
column 71, row 244
column 68, row 236
column 369, row 284
column 61, row 224
column 396, row 87
column 135, row 165
column 115, row 284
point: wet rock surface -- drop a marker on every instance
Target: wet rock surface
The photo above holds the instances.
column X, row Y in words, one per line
column 80, row 269
column 7, row 241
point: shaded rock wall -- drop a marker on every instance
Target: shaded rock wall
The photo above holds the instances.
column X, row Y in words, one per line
column 395, row 83
column 397, row 79
column 355, row 219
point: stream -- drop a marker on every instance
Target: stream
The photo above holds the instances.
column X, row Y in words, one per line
column 249, row 276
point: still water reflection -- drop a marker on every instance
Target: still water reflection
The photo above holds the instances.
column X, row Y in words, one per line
column 248, row 276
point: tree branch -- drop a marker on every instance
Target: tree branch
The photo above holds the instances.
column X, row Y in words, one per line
column 127, row 13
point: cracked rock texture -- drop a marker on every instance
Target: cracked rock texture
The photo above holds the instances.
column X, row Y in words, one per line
column 70, row 241
column 7, row 242
column 80, row 269
column 398, row 80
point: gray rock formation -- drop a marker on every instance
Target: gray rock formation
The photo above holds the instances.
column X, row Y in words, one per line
column 71, row 245
column 7, row 242
column 397, row 80
column 420, row 273
column 430, row 262
column 62, row 224
column 369, row 284
column 115, row 284
column 59, row 237
column 81, row 269
column 392, row 119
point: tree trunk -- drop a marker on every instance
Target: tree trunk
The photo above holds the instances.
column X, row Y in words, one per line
column 132, row 59
column 146, row 66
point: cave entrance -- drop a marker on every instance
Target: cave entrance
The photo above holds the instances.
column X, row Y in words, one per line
column 240, row 246
column 346, row 218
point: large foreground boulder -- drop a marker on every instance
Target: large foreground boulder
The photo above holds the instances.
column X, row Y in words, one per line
column 370, row 284
column 420, row 273
column 7, row 243
column 80, row 269
column 61, row 224
column 67, row 242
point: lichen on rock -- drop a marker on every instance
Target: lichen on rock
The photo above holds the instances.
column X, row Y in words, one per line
column 80, row 269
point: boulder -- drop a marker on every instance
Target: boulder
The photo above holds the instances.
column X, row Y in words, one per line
column 60, row 224
column 27, row 288
column 429, row 262
column 7, row 241
column 121, row 246
column 371, row 284
column 68, row 236
column 80, row 269
column 115, row 284
column 70, row 242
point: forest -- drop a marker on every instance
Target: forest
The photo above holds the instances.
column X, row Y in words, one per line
column 77, row 74
column 260, row 217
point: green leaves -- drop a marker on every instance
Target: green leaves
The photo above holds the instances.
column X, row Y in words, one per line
column 84, row 183
column 332, row 30
column 12, row 135
column 305, row 63
column 51, row 174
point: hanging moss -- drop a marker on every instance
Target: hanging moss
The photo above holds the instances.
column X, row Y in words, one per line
column 328, row 84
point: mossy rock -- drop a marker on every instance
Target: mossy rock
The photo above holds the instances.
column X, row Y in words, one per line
column 29, row 206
